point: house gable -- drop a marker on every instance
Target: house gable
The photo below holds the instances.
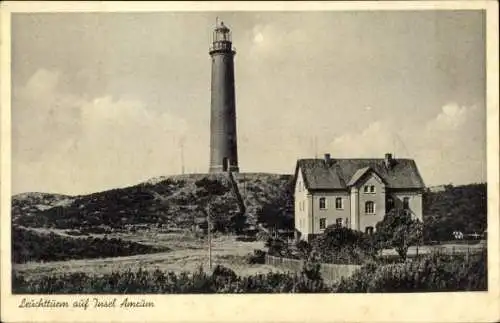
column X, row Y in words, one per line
column 299, row 183
column 362, row 175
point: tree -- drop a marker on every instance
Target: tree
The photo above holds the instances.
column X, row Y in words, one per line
column 400, row 231
column 460, row 208
column 238, row 223
column 274, row 216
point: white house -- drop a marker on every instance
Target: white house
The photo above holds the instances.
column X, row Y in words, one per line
column 355, row 193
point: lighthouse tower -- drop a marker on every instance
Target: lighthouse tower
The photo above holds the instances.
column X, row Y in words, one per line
column 223, row 143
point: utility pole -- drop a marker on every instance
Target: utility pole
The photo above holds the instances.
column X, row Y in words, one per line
column 182, row 155
column 209, row 229
column 315, row 147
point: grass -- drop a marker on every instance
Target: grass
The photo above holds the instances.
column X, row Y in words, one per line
column 187, row 254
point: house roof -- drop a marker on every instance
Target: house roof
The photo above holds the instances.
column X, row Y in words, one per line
column 345, row 172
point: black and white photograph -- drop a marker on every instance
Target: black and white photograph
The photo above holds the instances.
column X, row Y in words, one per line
column 248, row 152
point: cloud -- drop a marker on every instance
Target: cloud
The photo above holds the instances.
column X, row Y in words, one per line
column 37, row 107
column 258, row 38
column 452, row 146
column 68, row 144
column 375, row 139
column 272, row 41
column 449, row 148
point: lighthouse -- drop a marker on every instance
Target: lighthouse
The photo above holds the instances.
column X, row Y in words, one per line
column 223, row 140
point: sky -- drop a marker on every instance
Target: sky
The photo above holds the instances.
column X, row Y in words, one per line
column 106, row 100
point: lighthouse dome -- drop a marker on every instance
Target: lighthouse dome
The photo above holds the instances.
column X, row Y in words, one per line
column 221, row 27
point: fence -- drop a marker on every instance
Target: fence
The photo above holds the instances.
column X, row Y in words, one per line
column 329, row 272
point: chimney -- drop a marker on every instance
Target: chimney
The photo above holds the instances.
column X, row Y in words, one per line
column 328, row 160
column 388, row 160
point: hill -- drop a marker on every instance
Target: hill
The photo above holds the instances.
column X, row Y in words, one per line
column 175, row 201
column 166, row 202
column 31, row 203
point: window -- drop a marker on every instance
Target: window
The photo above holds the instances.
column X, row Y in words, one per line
column 369, row 207
column 406, row 203
column 369, row 189
column 322, row 203
column 369, row 230
column 338, row 203
column 322, row 223
column 299, row 186
column 338, row 222
column 389, row 203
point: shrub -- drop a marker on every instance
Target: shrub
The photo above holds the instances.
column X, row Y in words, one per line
column 222, row 280
column 75, row 233
column 279, row 248
column 341, row 245
column 246, row 238
column 30, row 246
column 434, row 272
column 258, row 257
column 304, row 249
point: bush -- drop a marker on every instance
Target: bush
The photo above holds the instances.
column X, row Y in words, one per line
column 222, row 280
column 279, row 248
column 258, row 257
column 75, row 233
column 31, row 246
column 434, row 272
column 340, row 245
column 246, row 238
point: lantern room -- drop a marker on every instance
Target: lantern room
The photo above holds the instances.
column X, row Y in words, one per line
column 221, row 39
